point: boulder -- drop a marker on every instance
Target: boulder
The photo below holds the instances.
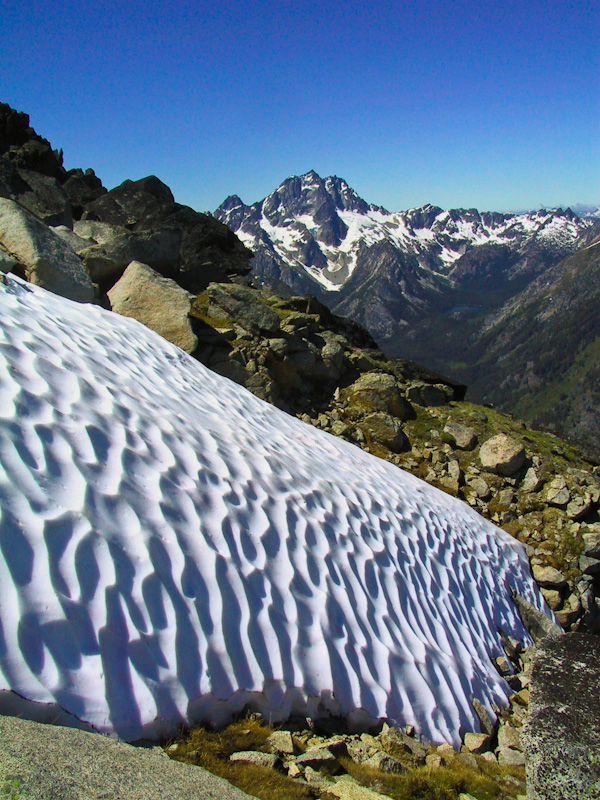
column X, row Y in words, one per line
column 476, row 742
column 318, row 757
column 98, row 232
column 257, row 759
column 394, row 740
column 553, row 597
column 428, row 394
column 557, row 492
column 45, row 258
column 359, row 751
column 156, row 301
column 561, row 736
column 384, row 763
column 509, row 737
column 245, row 306
column 531, row 481
column 281, row 742
column 549, row 577
column 384, row 429
column 77, row 243
column 82, row 188
column 301, row 324
column 455, row 472
column 591, row 544
column 579, row 507
column 511, row 758
column 487, row 724
column 45, row 198
column 159, row 250
column 538, row 624
column 378, row 391
column 333, row 355
column 480, row 487
column 501, row 455
column 588, row 565
column 434, row 761
column 459, row 436
column 59, row 763
column 316, row 779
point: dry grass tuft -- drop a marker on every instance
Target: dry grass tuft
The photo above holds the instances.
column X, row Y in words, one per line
column 445, row 783
column 211, row 750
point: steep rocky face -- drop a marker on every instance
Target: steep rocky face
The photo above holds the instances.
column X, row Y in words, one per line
column 138, row 220
column 538, row 354
column 25, row 148
column 32, row 173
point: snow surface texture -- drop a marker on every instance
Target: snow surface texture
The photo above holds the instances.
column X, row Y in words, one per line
column 173, row 548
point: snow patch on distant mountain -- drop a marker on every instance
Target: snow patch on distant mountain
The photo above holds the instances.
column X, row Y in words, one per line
column 587, row 211
column 172, row 549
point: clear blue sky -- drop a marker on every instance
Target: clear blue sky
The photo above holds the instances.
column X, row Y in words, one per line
column 493, row 105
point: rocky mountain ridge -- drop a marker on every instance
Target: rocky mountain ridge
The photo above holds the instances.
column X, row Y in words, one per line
column 315, row 232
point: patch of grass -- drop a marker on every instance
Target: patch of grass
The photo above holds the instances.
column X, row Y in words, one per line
column 418, row 428
column 211, row 750
column 199, row 310
column 445, row 783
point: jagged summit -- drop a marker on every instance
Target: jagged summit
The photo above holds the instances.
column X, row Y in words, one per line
column 318, row 235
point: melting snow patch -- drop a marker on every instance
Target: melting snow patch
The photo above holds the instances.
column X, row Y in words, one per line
column 172, row 548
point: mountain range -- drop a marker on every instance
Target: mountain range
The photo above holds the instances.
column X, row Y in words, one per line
column 437, row 286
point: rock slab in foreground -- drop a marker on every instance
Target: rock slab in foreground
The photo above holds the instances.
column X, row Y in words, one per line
column 45, row 258
column 562, row 733
column 47, row 762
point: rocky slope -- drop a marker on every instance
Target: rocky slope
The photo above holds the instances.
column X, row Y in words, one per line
column 425, row 282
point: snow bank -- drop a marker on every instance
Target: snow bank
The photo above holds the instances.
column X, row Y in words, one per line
column 173, row 548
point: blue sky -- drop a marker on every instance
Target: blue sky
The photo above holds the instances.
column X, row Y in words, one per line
column 488, row 105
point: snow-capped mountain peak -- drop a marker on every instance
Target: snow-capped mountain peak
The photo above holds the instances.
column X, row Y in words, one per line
column 315, row 232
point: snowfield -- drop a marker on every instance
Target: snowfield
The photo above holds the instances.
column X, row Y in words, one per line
column 173, row 548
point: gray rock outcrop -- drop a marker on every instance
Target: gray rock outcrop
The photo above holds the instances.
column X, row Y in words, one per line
column 48, row 762
column 107, row 259
column 562, row 733
column 242, row 303
column 208, row 250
